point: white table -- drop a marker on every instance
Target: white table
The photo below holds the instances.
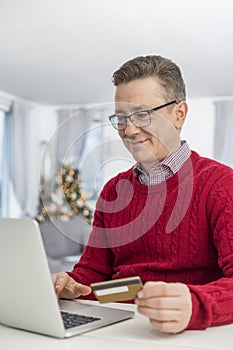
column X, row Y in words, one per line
column 132, row 334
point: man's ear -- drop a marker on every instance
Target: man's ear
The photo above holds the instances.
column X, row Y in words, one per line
column 181, row 112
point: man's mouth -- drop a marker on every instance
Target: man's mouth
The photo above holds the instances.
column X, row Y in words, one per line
column 136, row 142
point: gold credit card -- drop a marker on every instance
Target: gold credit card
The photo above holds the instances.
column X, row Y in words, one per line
column 117, row 290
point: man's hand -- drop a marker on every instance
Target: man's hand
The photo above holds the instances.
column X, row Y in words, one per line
column 167, row 305
column 66, row 287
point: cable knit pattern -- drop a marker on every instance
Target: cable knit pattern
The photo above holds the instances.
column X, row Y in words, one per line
column 178, row 231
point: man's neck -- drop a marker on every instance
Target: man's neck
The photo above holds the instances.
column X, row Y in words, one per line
column 148, row 166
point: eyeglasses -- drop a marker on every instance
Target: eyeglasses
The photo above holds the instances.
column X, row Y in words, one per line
column 139, row 119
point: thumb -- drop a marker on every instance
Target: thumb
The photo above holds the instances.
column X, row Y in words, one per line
column 83, row 289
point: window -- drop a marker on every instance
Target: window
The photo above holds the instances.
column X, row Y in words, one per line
column 2, row 117
column 9, row 206
column 90, row 162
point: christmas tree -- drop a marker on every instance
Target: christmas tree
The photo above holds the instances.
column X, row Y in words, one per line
column 64, row 199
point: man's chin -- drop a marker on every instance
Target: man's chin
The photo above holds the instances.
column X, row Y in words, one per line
column 146, row 162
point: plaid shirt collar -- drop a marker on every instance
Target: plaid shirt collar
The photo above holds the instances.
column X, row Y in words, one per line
column 164, row 170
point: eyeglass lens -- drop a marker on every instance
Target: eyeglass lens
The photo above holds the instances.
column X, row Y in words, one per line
column 139, row 119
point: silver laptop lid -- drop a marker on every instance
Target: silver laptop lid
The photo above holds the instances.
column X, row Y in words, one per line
column 27, row 297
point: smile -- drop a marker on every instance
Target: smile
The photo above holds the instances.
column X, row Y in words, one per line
column 137, row 143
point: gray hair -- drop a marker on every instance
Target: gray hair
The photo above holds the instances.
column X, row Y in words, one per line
column 168, row 74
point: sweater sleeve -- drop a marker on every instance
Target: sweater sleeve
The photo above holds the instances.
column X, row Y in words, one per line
column 95, row 265
column 213, row 302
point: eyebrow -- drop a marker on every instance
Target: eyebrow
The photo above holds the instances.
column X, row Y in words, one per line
column 134, row 109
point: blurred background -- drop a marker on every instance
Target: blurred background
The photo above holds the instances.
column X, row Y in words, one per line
column 57, row 58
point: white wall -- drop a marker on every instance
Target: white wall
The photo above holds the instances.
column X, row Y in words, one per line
column 198, row 129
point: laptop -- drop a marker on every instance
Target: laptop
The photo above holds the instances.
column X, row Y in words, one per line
column 27, row 297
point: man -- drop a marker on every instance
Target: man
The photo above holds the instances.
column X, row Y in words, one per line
column 169, row 218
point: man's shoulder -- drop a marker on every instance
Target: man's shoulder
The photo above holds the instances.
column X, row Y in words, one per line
column 208, row 164
column 211, row 174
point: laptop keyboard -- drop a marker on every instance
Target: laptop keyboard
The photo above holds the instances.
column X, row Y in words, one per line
column 74, row 320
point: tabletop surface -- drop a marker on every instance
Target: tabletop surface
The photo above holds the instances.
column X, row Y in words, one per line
column 135, row 333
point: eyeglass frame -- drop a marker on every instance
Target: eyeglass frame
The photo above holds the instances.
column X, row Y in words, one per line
column 149, row 111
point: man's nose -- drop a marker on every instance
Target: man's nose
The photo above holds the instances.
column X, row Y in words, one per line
column 131, row 129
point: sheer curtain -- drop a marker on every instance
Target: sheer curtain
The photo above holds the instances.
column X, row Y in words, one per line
column 3, row 204
column 78, row 139
column 64, row 240
column 73, row 124
column 23, row 157
column 223, row 142
column 5, row 106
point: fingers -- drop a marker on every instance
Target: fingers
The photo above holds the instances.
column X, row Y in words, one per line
column 156, row 289
column 161, row 315
column 60, row 280
column 82, row 289
column 167, row 327
column 66, row 287
column 167, row 305
column 162, row 303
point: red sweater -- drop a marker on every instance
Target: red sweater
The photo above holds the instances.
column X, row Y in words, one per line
column 178, row 231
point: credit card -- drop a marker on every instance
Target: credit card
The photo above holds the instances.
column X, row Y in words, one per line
column 122, row 289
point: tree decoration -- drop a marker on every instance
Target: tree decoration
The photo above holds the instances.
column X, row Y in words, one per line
column 65, row 199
